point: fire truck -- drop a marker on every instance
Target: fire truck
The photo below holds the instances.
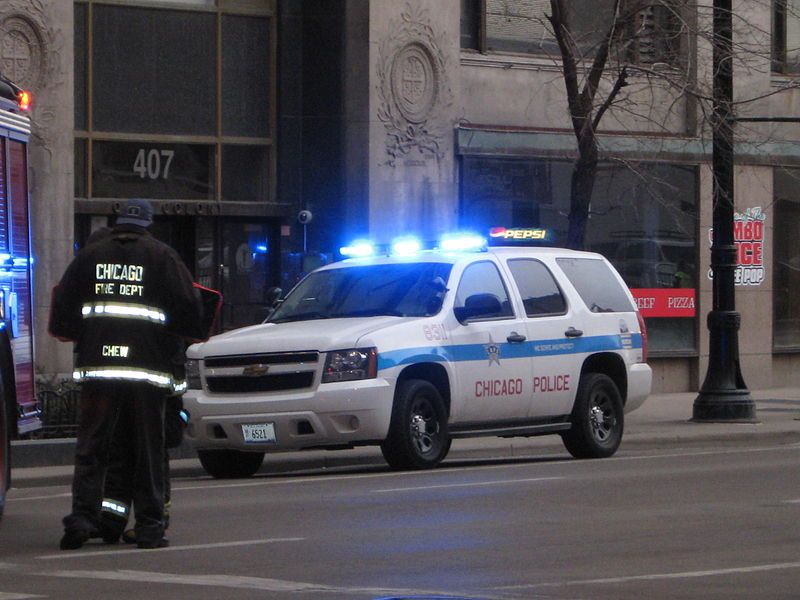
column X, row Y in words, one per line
column 19, row 415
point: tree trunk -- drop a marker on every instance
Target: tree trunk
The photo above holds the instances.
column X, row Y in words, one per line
column 583, row 176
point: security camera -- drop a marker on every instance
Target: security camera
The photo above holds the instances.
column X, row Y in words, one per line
column 304, row 217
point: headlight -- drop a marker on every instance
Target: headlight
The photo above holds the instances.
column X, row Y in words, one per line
column 349, row 365
column 193, row 374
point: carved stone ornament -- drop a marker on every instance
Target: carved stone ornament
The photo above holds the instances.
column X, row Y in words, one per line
column 413, row 87
column 23, row 52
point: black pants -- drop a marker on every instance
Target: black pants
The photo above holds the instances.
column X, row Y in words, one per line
column 119, row 485
column 101, row 404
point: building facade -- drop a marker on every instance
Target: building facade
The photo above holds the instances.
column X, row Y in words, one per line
column 385, row 118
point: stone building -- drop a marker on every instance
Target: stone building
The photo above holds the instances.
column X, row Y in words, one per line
column 388, row 117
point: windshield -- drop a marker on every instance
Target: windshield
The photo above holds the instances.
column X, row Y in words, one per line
column 399, row 290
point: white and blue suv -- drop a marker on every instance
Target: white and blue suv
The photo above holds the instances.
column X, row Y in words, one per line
column 410, row 351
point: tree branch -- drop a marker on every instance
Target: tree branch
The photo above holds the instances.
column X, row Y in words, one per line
column 621, row 82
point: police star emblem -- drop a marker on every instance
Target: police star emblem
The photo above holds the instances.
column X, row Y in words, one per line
column 492, row 351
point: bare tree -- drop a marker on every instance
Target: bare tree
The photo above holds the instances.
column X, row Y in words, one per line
column 595, row 77
column 586, row 108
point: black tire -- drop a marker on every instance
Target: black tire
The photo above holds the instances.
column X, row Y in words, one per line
column 230, row 464
column 418, row 436
column 597, row 418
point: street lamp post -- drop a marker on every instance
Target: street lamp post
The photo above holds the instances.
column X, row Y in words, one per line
column 724, row 395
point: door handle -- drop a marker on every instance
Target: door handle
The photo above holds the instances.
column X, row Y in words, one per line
column 516, row 338
column 572, row 332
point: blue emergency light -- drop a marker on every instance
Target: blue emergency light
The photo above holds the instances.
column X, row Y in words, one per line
column 358, row 249
column 410, row 245
column 406, row 246
column 462, row 242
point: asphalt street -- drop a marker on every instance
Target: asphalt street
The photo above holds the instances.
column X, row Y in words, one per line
column 684, row 510
column 659, row 523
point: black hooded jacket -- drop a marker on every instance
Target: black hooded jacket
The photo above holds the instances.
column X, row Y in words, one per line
column 128, row 302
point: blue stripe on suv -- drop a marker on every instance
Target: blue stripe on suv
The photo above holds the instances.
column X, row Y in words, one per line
column 467, row 352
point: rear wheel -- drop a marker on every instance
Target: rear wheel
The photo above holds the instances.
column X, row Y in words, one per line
column 418, row 437
column 597, row 418
column 230, row 464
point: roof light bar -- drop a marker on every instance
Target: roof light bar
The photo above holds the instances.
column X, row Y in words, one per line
column 461, row 242
column 358, row 249
column 406, row 246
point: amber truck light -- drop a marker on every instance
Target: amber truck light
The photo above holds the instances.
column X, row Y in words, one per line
column 24, row 100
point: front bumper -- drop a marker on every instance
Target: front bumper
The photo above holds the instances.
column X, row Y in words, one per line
column 334, row 414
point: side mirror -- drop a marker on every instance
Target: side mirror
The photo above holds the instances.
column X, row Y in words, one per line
column 272, row 297
column 478, row 305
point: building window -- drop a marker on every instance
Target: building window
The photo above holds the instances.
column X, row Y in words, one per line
column 651, row 32
column 471, row 18
column 175, row 101
column 786, row 260
column 643, row 218
column 786, row 36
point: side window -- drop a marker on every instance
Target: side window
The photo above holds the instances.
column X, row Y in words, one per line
column 596, row 284
column 540, row 293
column 481, row 294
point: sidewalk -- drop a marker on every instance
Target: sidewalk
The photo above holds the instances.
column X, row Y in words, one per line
column 662, row 421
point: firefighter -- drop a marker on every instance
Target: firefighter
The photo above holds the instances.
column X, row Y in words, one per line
column 128, row 302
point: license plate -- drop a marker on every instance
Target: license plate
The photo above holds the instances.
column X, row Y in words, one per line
column 260, row 433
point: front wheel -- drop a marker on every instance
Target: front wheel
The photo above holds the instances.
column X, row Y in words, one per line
column 418, row 437
column 597, row 418
column 230, row 464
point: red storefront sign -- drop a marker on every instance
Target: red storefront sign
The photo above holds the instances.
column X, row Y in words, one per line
column 665, row 302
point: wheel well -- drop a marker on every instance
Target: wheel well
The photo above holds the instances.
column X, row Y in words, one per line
column 609, row 364
column 432, row 373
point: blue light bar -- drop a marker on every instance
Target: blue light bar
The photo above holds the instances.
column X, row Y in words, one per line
column 462, row 242
column 406, row 246
column 359, row 248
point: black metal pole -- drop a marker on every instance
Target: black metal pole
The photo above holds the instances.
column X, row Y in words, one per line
column 724, row 395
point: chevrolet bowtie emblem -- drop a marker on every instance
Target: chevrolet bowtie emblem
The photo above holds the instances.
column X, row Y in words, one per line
column 255, row 370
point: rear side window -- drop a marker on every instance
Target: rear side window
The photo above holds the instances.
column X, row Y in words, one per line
column 540, row 294
column 596, row 284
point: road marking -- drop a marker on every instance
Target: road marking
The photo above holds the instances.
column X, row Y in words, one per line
column 657, row 576
column 239, row 582
column 117, row 553
column 796, row 501
column 16, row 596
column 472, row 484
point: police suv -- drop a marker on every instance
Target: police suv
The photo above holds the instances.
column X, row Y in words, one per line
column 412, row 349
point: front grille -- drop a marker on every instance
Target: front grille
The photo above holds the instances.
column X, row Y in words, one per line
column 228, row 384
column 275, row 358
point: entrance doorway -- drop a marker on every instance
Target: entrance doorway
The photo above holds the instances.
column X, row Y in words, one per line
column 239, row 257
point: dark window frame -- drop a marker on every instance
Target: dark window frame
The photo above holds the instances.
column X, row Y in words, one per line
column 780, row 17
column 777, row 278
column 631, row 49
column 89, row 134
